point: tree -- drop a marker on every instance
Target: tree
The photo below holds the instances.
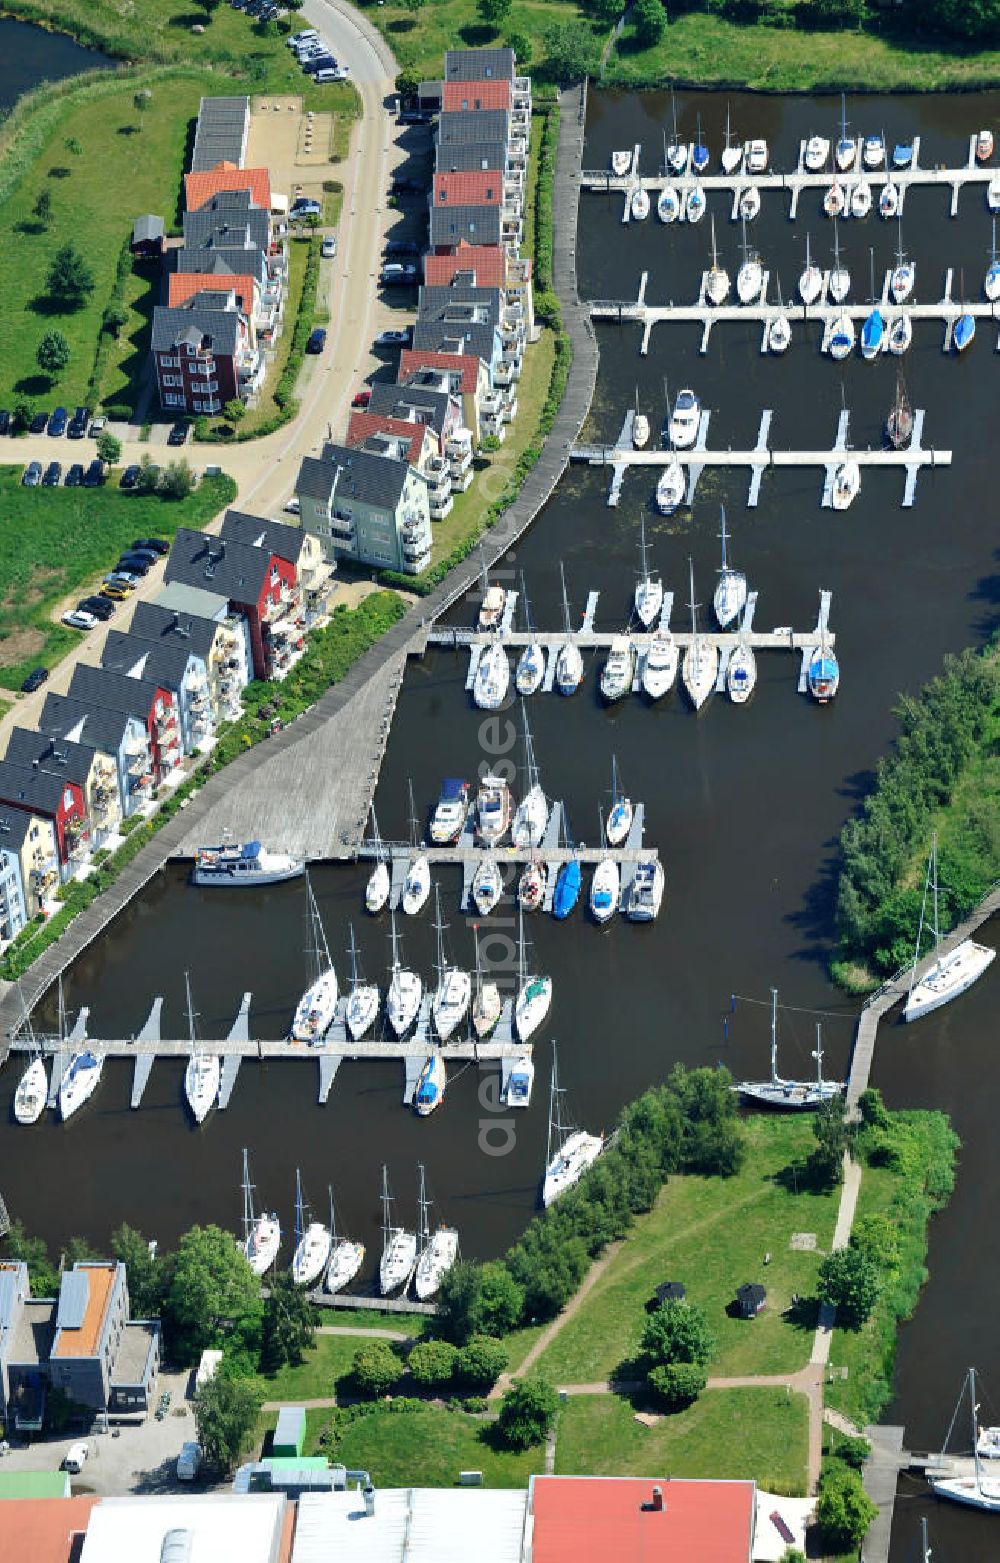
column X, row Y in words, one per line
column 971, row 19
column 109, row 448
column 650, row 20
column 42, row 1273
column 874, row 1114
column 292, row 5
column 115, row 316
column 677, row 1384
column 414, row 6
column 42, row 208
column 432, row 1362
column 494, row 12
column 288, row 1329
column 145, row 1273
column 878, row 1237
column 149, row 476
column 479, row 1363
column 176, row 480
column 142, row 99
column 73, row 146
column 208, row 6
column 21, row 414
column 521, row 45
column 844, row 1510
column 214, row 1297
column 70, row 281
column 677, row 1332
column 78, row 1250
column 407, row 84
column 826, row 1163
column 225, row 1412
column 849, row 1281
column 52, row 353
column 501, row 1300
column 375, row 1369
column 570, row 52
column 527, row 1413
column 458, row 1301
column 235, row 409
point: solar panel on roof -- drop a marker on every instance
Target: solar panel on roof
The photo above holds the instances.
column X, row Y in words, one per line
column 74, row 1294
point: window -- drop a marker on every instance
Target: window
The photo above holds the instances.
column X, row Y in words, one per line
column 173, row 400
column 173, row 379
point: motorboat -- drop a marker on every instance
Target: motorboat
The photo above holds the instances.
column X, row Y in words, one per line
column 316, row 1008
column 32, row 1092
column 694, row 206
column 741, row 673
column 450, row 812
column 640, row 431
column 668, row 204
column 975, row 1489
column 640, row 204
column 964, row 332
column 363, row 1001
column 487, row 885
column 569, row 1151
column 872, row 334
column 731, row 155
column 520, row 1081
column 492, row 606
column 487, row 1003
column 794, row 1095
column 817, row 150
column 823, row 672
column 899, row 423
column 621, row 162
column 846, row 150
column 346, row 1259
column 731, row 588
column 902, row 154
column 567, row 890
column 453, row 993
column 261, row 1234
column 621, row 813
column 530, row 669
column 684, row 420
column 950, row 973
column 988, row 1443
column 246, row 863
column 670, row 488
column 842, row 338
column 749, row 203
column 659, row 665
column 645, row 894
column 532, row 1005
column 428, row 1094
column 531, row 885
column 984, row 146
column 648, row 596
column 437, row 1251
column 756, row 156
column 846, row 484
column 839, row 281
column 417, row 886
column 605, row 889
column 492, row 680
column 80, row 1080
column 888, row 201
column 494, row 809
column 618, row 672
column 717, row 277
column 313, row 1242
column 861, row 199
column 991, row 281
column 399, row 1247
column 406, row 990
column 900, row 334
column 811, row 279
column 834, row 200
column 874, row 152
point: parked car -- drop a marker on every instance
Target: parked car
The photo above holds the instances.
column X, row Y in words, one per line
column 116, row 590
column 402, row 247
column 319, row 62
column 361, row 398
column 57, row 423
column 303, row 207
column 38, row 423
column 76, row 1458
column 398, row 273
column 148, row 554
column 74, row 476
column 179, row 433
column 132, row 564
column 411, row 117
column 78, row 424
column 328, row 248
column 297, row 39
column 394, row 338
column 408, row 186
column 119, row 577
column 35, row 679
column 53, row 473
column 79, row 619
column 155, row 545
column 98, row 425
column 4, row 421
column 327, row 74
column 130, row 476
column 189, row 1461
column 94, row 474
column 32, row 474
column 292, row 505
column 317, row 340
column 100, row 607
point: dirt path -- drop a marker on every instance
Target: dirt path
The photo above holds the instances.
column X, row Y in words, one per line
column 586, row 1286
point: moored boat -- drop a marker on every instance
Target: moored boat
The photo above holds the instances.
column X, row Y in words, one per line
column 648, row 596
column 493, row 603
column 810, row 280
column 659, row 665
column 570, row 1151
column 487, row 1003
column 450, row 812
column 312, row 1243
column 823, row 672
column 872, row 334
column 670, row 488
column 861, row 199
column 487, row 885
column 494, row 808
column 668, row 204
column 621, row 813
column 842, row 338
column 846, row 484
column 645, row 894
column 694, row 206
column 964, row 332
column 741, row 673
column 431, row 1085
column 520, row 1081
column 749, row 203
column 453, row 993
column 399, row 1247
column 316, row 1008
column 794, row 1095
column 756, row 156
column 363, row 1001
column 437, row 1251
column 874, row 152
column 621, row 162
column 531, row 885
column 817, row 150
column 731, row 588
column 605, row 889
column 684, row 420
column 888, row 201
column 246, row 863
column 405, row 992
column 261, row 1234
column 899, row 423
column 984, row 146
column 492, row 680
column 900, row 335
column 951, row 972
column 640, row 203
column 619, row 669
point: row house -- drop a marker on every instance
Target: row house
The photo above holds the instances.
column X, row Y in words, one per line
column 257, row 584
column 472, row 338
column 52, row 798
column 412, row 442
column 459, row 304
column 479, row 266
column 222, row 643
column 313, row 573
column 469, row 157
column 229, row 229
column 176, row 668
column 117, row 734
column 154, row 706
column 29, row 868
column 481, row 187
column 439, row 413
column 462, row 376
column 487, row 96
column 92, row 770
column 221, row 133
column 201, row 185
column 203, row 354
column 465, row 126
column 451, row 226
column 470, row 66
column 367, row 506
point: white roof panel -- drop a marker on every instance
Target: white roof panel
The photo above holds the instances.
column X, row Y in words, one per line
column 411, row 1525
column 224, row 1528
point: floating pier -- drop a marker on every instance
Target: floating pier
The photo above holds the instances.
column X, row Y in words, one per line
column 145, row 1060
column 61, row 1055
column 238, row 1032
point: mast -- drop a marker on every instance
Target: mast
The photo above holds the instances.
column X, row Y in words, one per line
column 395, row 944
column 555, row 1109
column 924, row 1548
column 386, row 1224
column 319, row 949
column 379, row 854
column 248, row 1215
column 413, row 813
column 439, row 927
column 774, row 1036
column 694, row 605
column 565, row 599
column 520, row 947
column 529, row 750
column 333, row 1224
column 818, row 1056
column 725, row 565
column 973, row 1408
column 715, row 264
column 871, row 261
column 423, row 1204
column 642, row 546
column 673, row 110
column 299, row 1217
column 354, row 959
column 190, row 1010
column 934, row 929
column 479, row 969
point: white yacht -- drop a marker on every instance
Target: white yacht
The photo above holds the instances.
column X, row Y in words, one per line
column 846, row 484
column 313, row 1242
column 779, row 328
column 835, row 200
column 811, row 279
column 839, row 282
column 900, row 335
column 493, row 603
column 621, row 813
column 570, row 1151
column 201, row 1083
column 32, row 1092
column 685, row 419
column 749, row 203
column 731, row 155
column 741, row 673
column 453, row 993
column 790, row 1094
column 534, row 993
column 846, row 150
column 750, row 277
column 659, row 665
column 605, row 890
column 668, row 204
column 640, row 427
column 640, row 203
column 874, row 151
column 619, row 669
column 437, row 1250
column 520, row 1081
column 492, row 680
column 670, row 488
column 904, row 274
column 406, row 991
column 717, row 277
column 842, row 338
column 487, row 1003
column 431, row 1084
column 861, row 199
column 261, row 1234
column 648, row 596
column 363, row 1001
column 949, row 974
column 487, row 885
column 530, row 668
column 399, row 1247
column 730, row 589
column 532, row 885
column 569, row 661
column 379, row 882
column 82, row 1075
column 645, row 894
column 316, row 1008
column 621, row 162
column 532, row 813
column 450, row 812
column 494, row 809
column 695, row 204
column 346, row 1258
column 700, row 664
column 417, row 886
column 888, row 201
column 817, row 150
column 975, row 1490
column 756, row 156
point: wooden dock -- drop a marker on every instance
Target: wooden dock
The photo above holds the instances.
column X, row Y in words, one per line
column 880, row 1475
column 387, row 1305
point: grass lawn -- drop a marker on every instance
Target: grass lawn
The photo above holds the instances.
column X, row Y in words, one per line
column 315, row 1378
column 57, row 541
column 727, row 1433
column 712, row 1234
column 419, row 43
column 423, row 1448
column 298, row 252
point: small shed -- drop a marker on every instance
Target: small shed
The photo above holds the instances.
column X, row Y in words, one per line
column 667, row 1291
column 290, row 1433
column 147, row 238
column 750, row 1299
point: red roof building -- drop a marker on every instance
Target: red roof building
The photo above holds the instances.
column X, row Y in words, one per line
column 458, row 96
column 365, row 424
column 413, row 359
column 486, row 263
column 199, row 188
column 478, row 188
column 585, row 1519
column 44, row 1530
column 185, row 284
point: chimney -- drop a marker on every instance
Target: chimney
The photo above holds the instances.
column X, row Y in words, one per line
column 654, row 1505
column 368, row 1491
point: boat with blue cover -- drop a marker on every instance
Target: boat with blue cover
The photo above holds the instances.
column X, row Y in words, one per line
column 823, row 675
column 244, row 863
column 965, row 330
column 872, row 333
column 430, row 1086
column 902, row 154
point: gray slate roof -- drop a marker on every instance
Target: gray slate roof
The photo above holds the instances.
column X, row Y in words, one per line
column 435, row 336
column 470, row 157
column 146, row 228
column 235, row 570
column 475, row 224
column 399, row 401
column 469, row 125
column 162, row 664
column 200, row 325
column 116, row 691
column 278, row 538
column 223, row 124
column 30, row 788
column 456, row 299
column 227, row 259
column 169, row 627
column 14, row 825
column 98, row 725
column 197, row 601
column 479, row 65
column 227, row 221
column 375, row 480
column 70, row 760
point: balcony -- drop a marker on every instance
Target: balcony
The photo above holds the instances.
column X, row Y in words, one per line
column 522, row 92
column 503, row 375
column 165, row 721
column 139, row 763
column 510, row 410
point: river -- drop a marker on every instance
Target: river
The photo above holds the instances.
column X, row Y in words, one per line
column 32, row 55
column 745, row 805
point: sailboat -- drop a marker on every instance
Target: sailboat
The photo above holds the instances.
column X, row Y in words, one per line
column 82, row 1074
column 346, row 1257
column 811, row 280
column 835, row 200
column 203, row 1072
column 741, row 673
column 405, row 991
column 487, row 1003
column 949, row 974
column 839, row 283
column 399, row 1247
column 861, row 199
column 793, row 1094
column 977, row 1491
column 363, row 1001
column 668, row 204
column 605, row 890
column 648, row 596
column 33, row 1087
column 487, row 885
column 842, row 338
column 993, row 194
column 640, row 203
column 676, row 151
column 965, row 325
column 899, row 423
column 621, row 813
column 749, row 203
column 431, row 1084
column 732, row 156
column 750, row 277
column 717, row 277
column 534, row 993
column 379, row 883
column 640, row 435
column 991, row 281
column 316, row 1008
column 873, row 330
column 417, row 885
column 699, row 152
column 903, row 274
column 532, row 813
column 621, row 162
column 531, row 663
column 437, row 1251
column 846, row 149
column 618, row 672
column 694, row 206
column 659, row 665
column 888, row 201
column 569, row 661
column 492, row 680
column 261, row 1234
column 569, row 881
column 570, row 1151
column 312, row 1242
column 823, row 672
column 900, row 335
column 846, row 483
column 701, row 659
column 779, row 331
column 454, row 988
column 731, row 587
column 532, row 883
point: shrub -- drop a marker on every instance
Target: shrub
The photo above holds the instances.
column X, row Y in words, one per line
column 375, row 1369
column 527, row 1413
column 849, row 1281
column 480, row 1362
column 432, row 1362
column 677, row 1384
column 678, row 1332
column 844, row 1510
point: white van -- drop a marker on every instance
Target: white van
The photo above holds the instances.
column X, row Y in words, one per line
column 189, row 1461
column 76, row 1458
